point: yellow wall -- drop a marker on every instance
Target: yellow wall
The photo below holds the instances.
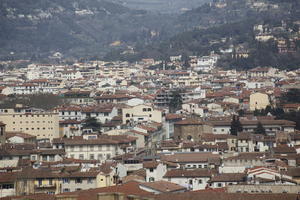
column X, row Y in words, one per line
column 41, row 125
column 259, row 101
column 153, row 115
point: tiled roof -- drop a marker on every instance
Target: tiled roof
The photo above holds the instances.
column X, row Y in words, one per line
column 129, row 188
column 150, row 164
column 39, row 196
column 228, row 177
column 189, row 122
column 225, row 196
column 192, row 157
column 163, row 186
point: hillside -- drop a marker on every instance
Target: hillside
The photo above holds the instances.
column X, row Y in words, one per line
column 74, row 27
column 163, row 6
column 239, row 25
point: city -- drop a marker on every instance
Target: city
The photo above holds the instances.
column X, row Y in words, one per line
column 221, row 124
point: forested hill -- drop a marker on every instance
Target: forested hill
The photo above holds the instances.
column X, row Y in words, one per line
column 72, row 27
column 239, row 25
column 35, row 29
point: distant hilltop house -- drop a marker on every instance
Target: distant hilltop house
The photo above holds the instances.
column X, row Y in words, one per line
column 262, row 72
column 259, row 101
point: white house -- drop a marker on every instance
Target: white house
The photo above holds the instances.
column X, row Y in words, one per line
column 196, row 179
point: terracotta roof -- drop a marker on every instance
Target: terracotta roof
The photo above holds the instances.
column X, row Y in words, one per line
column 228, row 177
column 189, row 122
column 171, row 116
column 284, row 150
column 163, row 186
column 192, row 157
column 150, row 164
column 129, row 188
column 39, row 196
column 248, row 156
column 212, row 195
column 19, row 134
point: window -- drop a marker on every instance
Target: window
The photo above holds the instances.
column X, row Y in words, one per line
column 200, row 181
column 78, row 180
column 90, row 180
column 66, row 180
column 77, row 189
column 151, row 179
column 127, row 115
column 100, row 156
column 92, row 157
column 149, row 109
column 144, row 109
column 191, row 182
column 50, row 182
column 151, row 169
column 81, row 157
column 51, row 158
column 219, row 184
column 40, row 181
column 66, row 190
column 108, row 156
column 92, row 148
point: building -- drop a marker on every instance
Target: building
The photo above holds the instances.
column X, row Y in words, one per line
column 190, row 129
column 93, row 147
column 2, row 133
column 195, row 179
column 259, row 101
column 43, row 125
column 141, row 113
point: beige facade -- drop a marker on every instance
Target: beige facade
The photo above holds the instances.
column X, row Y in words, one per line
column 259, row 101
column 141, row 113
column 43, row 125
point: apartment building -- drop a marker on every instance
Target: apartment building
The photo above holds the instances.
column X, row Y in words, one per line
column 93, row 147
column 141, row 113
column 43, row 125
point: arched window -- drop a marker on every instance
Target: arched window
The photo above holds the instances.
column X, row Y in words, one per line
column 127, row 115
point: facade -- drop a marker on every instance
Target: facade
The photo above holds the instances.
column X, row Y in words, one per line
column 37, row 123
column 141, row 113
column 2, row 133
column 190, row 129
column 259, row 101
column 196, row 179
column 95, row 147
column 154, row 170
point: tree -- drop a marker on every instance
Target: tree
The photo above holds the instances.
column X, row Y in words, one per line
column 92, row 123
column 292, row 96
column 260, row 129
column 175, row 102
column 241, row 112
column 236, row 125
